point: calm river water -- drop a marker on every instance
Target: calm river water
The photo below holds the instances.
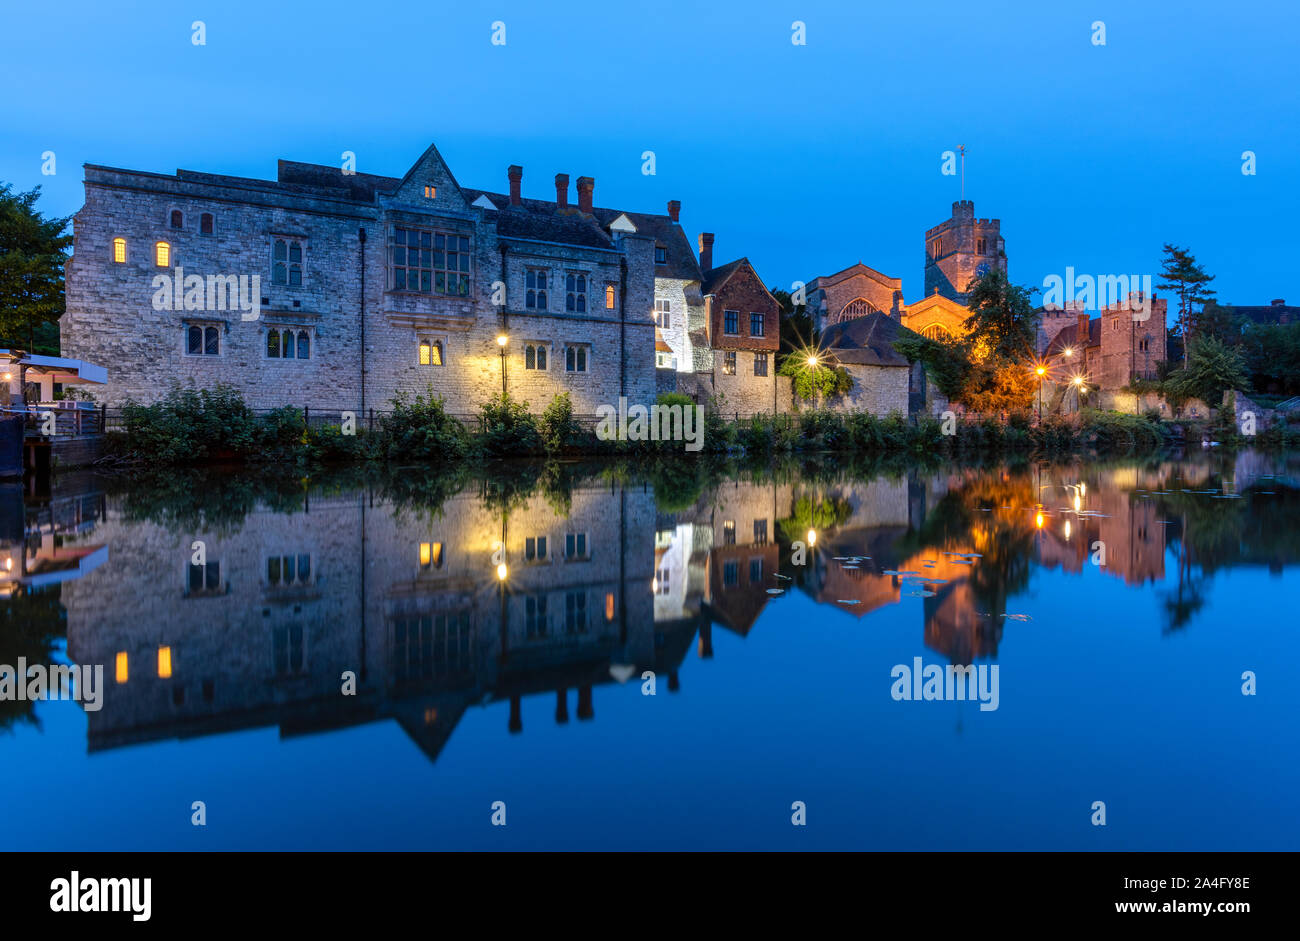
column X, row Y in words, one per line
column 504, row 630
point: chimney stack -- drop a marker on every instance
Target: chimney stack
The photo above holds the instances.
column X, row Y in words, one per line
column 585, row 186
column 674, row 209
column 1279, row 302
column 562, row 190
column 516, row 175
column 706, row 251
column 1084, row 337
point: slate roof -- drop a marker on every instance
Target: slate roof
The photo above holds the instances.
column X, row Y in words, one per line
column 866, row 341
column 681, row 263
column 1069, row 336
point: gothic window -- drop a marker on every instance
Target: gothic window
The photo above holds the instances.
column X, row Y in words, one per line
column 535, row 282
column 286, row 262
column 575, row 293
column 430, row 352
column 287, row 344
column 609, row 297
column 535, row 356
column 575, row 359
column 162, row 254
column 202, row 340
column 859, row 307
column 936, row 332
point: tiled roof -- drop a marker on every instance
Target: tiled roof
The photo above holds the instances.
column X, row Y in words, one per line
column 543, row 221
column 866, row 341
column 714, row 277
column 681, row 263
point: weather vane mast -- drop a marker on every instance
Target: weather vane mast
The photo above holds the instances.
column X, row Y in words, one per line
column 962, row 150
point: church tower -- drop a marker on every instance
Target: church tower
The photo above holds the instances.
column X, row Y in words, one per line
column 959, row 250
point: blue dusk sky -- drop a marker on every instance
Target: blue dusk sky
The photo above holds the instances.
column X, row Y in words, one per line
column 804, row 158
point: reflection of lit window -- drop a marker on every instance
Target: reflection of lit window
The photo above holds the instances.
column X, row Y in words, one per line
column 609, row 606
column 121, row 670
column 728, row 532
column 164, row 662
column 430, row 555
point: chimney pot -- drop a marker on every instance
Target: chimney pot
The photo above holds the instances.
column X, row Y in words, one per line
column 706, row 251
column 1279, row 302
column 562, row 190
column 516, row 175
column 586, row 185
column 674, row 209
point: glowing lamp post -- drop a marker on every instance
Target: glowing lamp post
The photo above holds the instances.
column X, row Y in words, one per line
column 1041, row 371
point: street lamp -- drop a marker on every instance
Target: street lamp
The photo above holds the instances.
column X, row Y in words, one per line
column 1041, row 370
column 1081, row 388
column 502, row 340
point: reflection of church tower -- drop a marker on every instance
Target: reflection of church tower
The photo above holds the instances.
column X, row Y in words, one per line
column 960, row 249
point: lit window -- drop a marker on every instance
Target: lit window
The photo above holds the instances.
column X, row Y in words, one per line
column 119, row 251
column 162, row 254
column 430, row 192
column 430, row 352
column 205, row 224
column 609, row 297
column 178, row 220
column 122, row 669
column 729, row 364
column 164, row 663
column 430, row 555
column 731, row 323
column 728, row 532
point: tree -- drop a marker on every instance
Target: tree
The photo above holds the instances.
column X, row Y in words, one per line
column 815, row 381
column 1002, row 319
column 796, row 327
column 33, row 251
column 1189, row 281
column 1212, row 368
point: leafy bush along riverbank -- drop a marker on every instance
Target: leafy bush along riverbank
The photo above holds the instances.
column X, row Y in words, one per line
column 203, row 426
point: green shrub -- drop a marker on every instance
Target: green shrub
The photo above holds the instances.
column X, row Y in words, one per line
column 560, row 431
column 507, row 429
column 421, row 430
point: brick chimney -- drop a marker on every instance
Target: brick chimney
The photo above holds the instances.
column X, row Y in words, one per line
column 1083, row 338
column 516, row 175
column 674, row 209
column 1279, row 302
column 562, row 190
column 585, row 186
column 706, row 251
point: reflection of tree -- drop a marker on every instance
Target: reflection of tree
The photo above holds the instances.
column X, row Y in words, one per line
column 30, row 623
column 811, row 512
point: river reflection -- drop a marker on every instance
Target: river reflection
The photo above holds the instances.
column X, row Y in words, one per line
column 221, row 603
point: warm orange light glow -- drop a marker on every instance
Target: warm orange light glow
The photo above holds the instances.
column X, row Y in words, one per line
column 1038, row 520
column 609, row 297
column 812, row 537
column 164, row 663
column 1041, row 370
column 119, row 250
column 1067, row 352
column 8, row 376
column 1067, row 529
column 502, row 572
column 1078, row 381
column 426, row 553
column 121, row 670
column 430, row 192
column 1078, row 504
column 502, row 340
column 609, row 606
column 812, row 360
column 162, row 254
column 430, row 716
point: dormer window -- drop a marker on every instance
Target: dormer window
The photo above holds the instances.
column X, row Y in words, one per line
column 661, row 255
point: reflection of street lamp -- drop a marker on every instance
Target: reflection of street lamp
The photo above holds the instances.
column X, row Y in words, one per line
column 812, row 537
column 502, row 340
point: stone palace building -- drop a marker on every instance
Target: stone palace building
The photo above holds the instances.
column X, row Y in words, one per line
column 340, row 290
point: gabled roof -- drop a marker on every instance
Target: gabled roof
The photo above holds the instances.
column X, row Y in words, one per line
column 866, row 341
column 858, row 269
column 1069, row 336
column 716, row 277
column 681, row 263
